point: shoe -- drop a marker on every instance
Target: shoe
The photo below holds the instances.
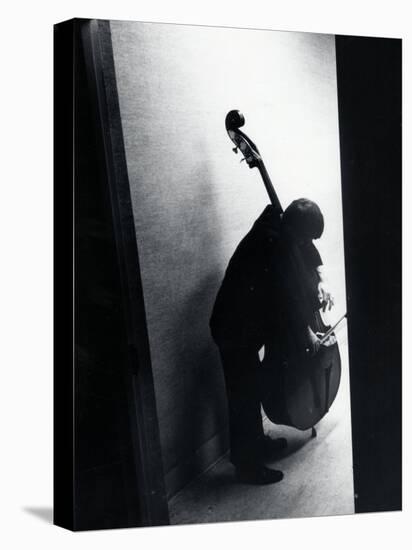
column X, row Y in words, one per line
column 273, row 446
column 259, row 475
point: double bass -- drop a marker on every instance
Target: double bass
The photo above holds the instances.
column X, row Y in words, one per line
column 297, row 389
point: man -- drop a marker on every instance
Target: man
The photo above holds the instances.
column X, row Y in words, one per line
column 271, row 288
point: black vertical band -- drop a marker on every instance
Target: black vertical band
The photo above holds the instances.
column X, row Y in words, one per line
column 63, row 381
column 369, row 94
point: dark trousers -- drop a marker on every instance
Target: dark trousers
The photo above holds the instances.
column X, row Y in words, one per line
column 241, row 369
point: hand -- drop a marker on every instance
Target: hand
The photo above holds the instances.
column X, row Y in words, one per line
column 313, row 342
column 330, row 340
column 325, row 297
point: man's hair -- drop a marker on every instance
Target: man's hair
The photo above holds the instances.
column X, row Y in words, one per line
column 304, row 218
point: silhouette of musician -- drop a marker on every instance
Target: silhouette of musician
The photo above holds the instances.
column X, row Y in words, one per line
column 271, row 288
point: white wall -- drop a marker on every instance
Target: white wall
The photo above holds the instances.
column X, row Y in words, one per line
column 193, row 201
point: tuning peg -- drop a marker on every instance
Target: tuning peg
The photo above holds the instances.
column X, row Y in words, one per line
column 235, row 150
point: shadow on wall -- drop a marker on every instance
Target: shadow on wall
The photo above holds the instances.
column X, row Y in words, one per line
column 205, row 381
column 199, row 429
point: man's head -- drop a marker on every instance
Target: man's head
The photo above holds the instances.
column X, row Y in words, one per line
column 303, row 220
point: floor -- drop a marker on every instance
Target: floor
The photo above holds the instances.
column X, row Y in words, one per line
column 318, row 475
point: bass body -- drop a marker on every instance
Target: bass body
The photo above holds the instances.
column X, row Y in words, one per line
column 298, row 389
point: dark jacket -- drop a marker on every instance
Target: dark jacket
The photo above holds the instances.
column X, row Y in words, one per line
column 269, row 288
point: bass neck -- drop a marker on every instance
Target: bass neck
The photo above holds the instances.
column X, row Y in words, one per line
column 268, row 185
